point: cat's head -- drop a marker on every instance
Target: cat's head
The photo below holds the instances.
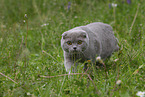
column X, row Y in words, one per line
column 75, row 41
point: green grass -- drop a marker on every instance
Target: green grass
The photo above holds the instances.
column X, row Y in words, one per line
column 29, row 50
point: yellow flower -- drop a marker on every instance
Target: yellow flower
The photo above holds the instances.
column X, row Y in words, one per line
column 88, row 60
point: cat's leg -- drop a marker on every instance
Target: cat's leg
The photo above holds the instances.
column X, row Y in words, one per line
column 74, row 69
column 68, row 65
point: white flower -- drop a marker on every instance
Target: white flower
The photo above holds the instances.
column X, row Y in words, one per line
column 25, row 15
column 118, row 82
column 114, row 5
column 44, row 24
column 115, row 60
column 140, row 94
column 28, row 93
column 98, row 58
column 75, row 17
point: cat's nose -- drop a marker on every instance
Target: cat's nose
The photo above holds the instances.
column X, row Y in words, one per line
column 74, row 47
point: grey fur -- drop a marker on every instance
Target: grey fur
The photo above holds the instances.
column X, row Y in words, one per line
column 97, row 40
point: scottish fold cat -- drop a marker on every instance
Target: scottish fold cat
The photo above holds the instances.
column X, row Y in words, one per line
column 86, row 42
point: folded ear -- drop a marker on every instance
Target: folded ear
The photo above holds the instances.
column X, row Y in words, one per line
column 64, row 35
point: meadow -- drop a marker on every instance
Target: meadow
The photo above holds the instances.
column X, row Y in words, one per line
column 31, row 58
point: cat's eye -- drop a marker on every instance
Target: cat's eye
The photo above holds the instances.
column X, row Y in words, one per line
column 79, row 42
column 69, row 43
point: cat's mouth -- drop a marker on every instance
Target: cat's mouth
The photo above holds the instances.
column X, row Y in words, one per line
column 75, row 52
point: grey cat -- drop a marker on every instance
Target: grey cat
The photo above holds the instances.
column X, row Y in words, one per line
column 86, row 42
